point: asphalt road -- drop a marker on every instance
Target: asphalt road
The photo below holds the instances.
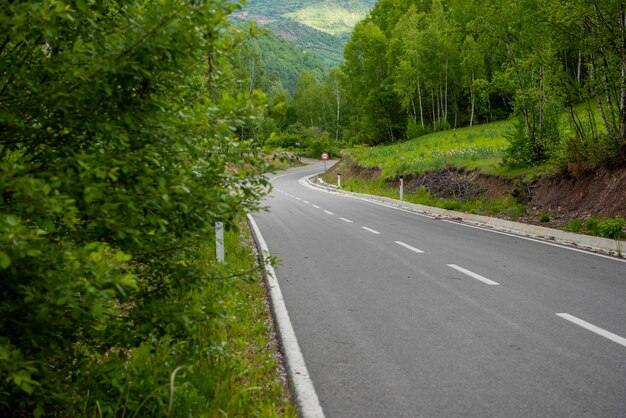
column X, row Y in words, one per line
column 401, row 315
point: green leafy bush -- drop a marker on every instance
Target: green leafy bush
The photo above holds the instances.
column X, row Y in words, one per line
column 117, row 156
column 612, row 228
column 544, row 217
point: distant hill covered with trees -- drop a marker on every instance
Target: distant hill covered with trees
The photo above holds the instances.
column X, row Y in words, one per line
column 321, row 27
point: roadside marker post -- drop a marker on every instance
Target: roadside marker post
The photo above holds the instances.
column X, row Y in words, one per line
column 219, row 241
column 401, row 188
column 338, row 180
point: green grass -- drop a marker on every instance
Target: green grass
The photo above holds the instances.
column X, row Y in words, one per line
column 227, row 364
column 480, row 147
column 329, row 17
column 600, row 227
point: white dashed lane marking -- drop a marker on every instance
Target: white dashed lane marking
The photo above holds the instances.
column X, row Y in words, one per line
column 409, row 247
column 474, row 275
column 590, row 327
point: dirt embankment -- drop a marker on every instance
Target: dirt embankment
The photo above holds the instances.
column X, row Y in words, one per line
column 572, row 194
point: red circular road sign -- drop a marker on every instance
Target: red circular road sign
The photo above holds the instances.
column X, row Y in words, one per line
column 324, row 156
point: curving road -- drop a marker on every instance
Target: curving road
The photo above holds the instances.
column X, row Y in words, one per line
column 402, row 315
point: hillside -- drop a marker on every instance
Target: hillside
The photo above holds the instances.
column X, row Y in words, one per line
column 321, row 27
column 462, row 169
column 284, row 61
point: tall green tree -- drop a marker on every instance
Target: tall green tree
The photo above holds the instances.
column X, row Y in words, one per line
column 370, row 84
column 595, row 32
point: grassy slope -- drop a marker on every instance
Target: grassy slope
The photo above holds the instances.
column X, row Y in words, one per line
column 478, row 147
column 331, row 17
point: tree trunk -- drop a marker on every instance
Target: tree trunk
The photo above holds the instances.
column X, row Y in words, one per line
column 432, row 101
column 338, row 108
column 440, row 113
column 592, row 77
column 578, row 72
column 608, row 84
column 419, row 96
column 542, row 105
column 529, row 129
column 445, row 97
column 622, row 110
column 472, row 97
column 391, row 136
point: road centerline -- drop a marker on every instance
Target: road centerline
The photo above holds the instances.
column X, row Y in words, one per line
column 328, row 212
column 346, row 220
column 473, row 275
column 593, row 328
column 316, row 207
column 370, row 230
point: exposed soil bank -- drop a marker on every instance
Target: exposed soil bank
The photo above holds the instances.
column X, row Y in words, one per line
column 562, row 196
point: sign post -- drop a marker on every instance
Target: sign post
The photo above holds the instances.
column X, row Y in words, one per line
column 401, row 188
column 324, row 157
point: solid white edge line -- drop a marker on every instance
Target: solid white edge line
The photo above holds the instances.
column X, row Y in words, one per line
column 409, row 247
column 590, row 327
column 370, row 230
column 474, row 275
column 346, row 220
column 552, row 244
column 306, row 396
column 328, row 212
column 303, row 181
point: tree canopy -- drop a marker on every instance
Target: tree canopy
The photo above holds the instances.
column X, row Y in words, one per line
column 431, row 65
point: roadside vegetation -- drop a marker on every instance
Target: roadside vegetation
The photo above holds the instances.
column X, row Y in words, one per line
column 599, row 227
column 505, row 206
column 227, row 364
column 122, row 143
column 480, row 147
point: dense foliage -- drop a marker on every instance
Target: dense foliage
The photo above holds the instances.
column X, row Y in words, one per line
column 273, row 62
column 117, row 157
column 416, row 66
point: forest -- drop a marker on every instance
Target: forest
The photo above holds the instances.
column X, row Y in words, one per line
column 418, row 66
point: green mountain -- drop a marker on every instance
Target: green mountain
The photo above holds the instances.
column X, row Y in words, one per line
column 283, row 61
column 321, row 27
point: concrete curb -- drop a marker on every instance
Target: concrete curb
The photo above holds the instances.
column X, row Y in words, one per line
column 611, row 247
